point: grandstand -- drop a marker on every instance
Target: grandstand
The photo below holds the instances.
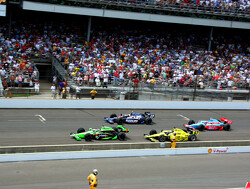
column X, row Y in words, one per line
column 135, row 56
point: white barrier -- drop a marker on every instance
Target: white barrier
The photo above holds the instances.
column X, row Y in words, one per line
column 121, row 153
column 120, row 104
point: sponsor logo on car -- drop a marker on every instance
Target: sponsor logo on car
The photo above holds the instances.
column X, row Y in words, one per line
column 132, row 121
column 102, row 135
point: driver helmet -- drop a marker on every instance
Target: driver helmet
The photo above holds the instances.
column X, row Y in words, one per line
column 174, row 133
column 95, row 171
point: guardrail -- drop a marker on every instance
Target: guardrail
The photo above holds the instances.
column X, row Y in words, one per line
column 117, row 146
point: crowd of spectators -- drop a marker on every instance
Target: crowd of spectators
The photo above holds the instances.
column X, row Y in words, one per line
column 122, row 57
column 219, row 4
column 156, row 59
column 16, row 68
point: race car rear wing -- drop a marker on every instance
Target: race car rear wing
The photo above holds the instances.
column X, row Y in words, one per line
column 150, row 115
column 226, row 120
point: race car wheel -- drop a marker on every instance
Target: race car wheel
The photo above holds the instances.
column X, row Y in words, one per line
column 148, row 120
column 152, row 132
column 81, row 130
column 121, row 136
column 88, row 137
column 201, row 127
column 192, row 137
column 115, row 129
column 162, row 138
column 226, row 127
column 190, row 122
column 113, row 115
column 119, row 121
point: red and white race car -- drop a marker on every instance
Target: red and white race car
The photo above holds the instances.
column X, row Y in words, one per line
column 211, row 124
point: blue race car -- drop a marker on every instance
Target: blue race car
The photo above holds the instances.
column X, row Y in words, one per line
column 211, row 124
column 133, row 117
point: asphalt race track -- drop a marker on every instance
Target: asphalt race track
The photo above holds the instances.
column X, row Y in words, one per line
column 216, row 171
column 20, row 127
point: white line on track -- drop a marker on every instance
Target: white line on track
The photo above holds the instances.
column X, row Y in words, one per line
column 41, row 118
column 16, row 120
column 186, row 118
column 21, row 120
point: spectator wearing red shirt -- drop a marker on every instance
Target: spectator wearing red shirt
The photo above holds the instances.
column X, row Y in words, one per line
column 115, row 79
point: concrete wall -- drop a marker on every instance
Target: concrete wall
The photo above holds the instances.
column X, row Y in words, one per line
column 115, row 146
column 120, row 104
column 121, row 153
column 1, row 88
column 132, row 15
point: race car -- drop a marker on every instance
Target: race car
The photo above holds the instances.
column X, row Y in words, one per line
column 211, row 124
column 166, row 135
column 133, row 117
column 104, row 133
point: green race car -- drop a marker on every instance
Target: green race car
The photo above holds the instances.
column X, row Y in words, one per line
column 166, row 135
column 104, row 133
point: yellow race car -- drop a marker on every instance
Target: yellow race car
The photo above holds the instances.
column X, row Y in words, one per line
column 166, row 135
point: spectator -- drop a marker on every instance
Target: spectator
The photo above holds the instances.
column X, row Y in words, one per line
column 78, row 92
column 93, row 93
column 53, row 91
column 37, row 87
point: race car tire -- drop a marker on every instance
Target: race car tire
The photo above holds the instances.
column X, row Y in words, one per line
column 119, row 121
column 162, row 138
column 148, row 120
column 80, row 130
column 121, row 136
column 152, row 132
column 192, row 137
column 226, row 127
column 201, row 127
column 113, row 115
column 190, row 122
column 88, row 137
column 115, row 129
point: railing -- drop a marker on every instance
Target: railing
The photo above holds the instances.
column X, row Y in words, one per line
column 168, row 91
column 142, row 92
column 59, row 69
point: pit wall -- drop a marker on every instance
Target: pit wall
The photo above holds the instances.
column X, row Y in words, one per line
column 121, row 153
column 119, row 104
column 118, row 146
